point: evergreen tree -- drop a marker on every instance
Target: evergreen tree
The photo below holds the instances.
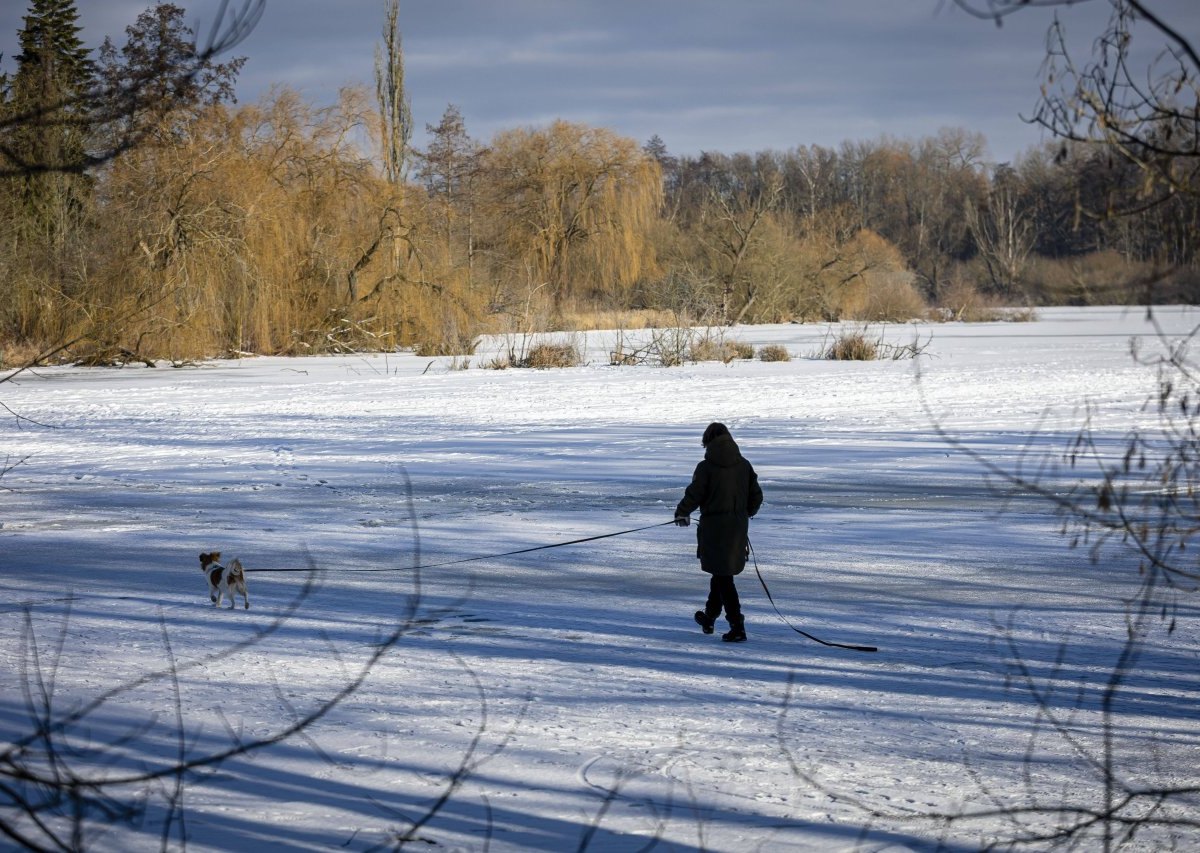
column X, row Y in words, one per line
column 53, row 76
column 47, row 104
column 52, row 53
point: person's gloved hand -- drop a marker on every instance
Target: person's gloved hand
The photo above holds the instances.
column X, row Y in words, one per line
column 682, row 520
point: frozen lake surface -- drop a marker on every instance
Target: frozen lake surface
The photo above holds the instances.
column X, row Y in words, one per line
column 599, row 715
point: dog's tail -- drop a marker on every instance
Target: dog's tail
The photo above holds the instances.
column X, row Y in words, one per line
column 235, row 568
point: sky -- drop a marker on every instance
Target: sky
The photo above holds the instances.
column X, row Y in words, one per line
column 702, row 75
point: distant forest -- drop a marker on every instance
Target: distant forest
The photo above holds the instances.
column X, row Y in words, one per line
column 145, row 214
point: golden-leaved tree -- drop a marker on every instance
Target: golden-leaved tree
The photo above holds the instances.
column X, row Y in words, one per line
column 246, row 232
column 570, row 209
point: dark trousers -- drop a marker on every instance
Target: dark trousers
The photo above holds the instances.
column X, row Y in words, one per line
column 723, row 595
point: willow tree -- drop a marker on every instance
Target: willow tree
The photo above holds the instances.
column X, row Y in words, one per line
column 249, row 224
column 571, row 209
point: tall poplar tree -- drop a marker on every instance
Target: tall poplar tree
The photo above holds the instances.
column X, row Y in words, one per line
column 395, row 131
column 395, row 114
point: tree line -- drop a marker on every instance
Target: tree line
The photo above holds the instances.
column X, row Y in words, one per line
column 144, row 213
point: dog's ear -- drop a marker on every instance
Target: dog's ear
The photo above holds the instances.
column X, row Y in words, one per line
column 204, row 558
column 215, row 556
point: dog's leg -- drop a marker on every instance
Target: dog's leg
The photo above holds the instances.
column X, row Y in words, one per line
column 237, row 582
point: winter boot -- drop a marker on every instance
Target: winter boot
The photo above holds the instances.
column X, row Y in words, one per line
column 736, row 632
column 704, row 621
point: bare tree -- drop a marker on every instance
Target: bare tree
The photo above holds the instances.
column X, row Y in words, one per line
column 395, row 131
column 734, row 216
column 1003, row 231
column 1149, row 499
column 1148, row 117
column 451, row 167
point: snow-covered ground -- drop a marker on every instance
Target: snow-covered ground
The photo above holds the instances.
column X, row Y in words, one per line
column 601, row 717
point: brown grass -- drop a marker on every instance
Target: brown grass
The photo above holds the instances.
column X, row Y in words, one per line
column 774, row 352
column 853, row 346
column 13, row 355
column 541, row 356
column 714, row 347
column 459, row 346
column 590, row 321
column 741, row 349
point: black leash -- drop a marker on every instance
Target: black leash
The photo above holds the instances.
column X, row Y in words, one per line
column 754, row 556
column 793, row 627
column 486, row 556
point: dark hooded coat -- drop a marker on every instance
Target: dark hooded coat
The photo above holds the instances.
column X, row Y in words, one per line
column 725, row 489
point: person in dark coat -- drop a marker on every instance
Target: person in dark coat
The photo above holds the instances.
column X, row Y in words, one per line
column 725, row 489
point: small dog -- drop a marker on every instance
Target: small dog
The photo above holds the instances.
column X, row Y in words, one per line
column 224, row 580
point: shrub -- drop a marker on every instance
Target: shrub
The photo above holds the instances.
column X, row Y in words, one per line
column 666, row 347
column 706, row 348
column 856, row 346
column 882, row 297
column 962, row 301
column 551, row 355
column 712, row 347
column 1099, row 278
column 897, row 301
column 774, row 352
column 643, row 318
column 623, row 355
column 741, row 349
column 665, row 354
column 852, row 346
column 1019, row 315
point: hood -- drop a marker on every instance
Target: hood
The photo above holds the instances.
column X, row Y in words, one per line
column 723, row 451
